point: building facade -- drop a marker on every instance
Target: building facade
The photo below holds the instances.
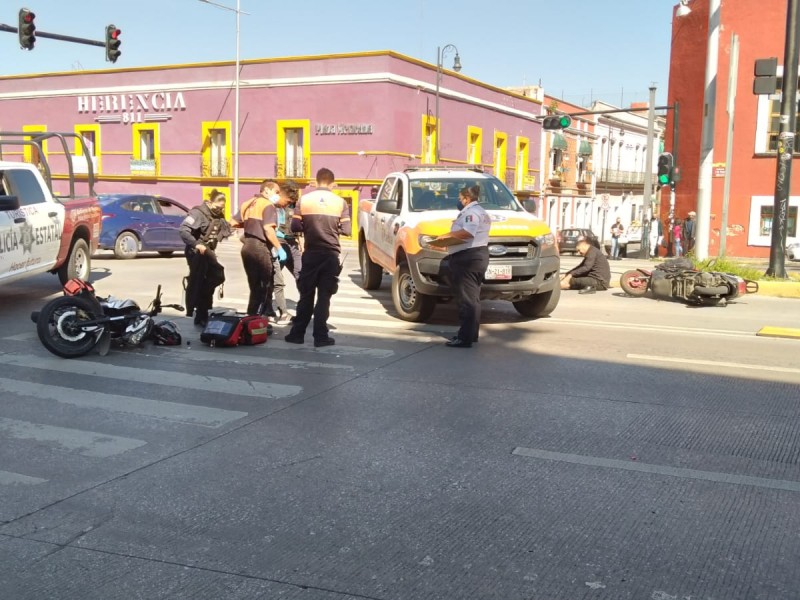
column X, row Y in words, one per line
column 168, row 130
column 760, row 26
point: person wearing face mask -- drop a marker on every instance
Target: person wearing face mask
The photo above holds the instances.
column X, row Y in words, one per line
column 202, row 229
column 258, row 219
column 468, row 246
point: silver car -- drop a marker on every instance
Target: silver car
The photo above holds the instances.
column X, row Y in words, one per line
column 793, row 251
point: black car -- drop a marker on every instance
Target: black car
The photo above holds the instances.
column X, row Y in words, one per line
column 569, row 239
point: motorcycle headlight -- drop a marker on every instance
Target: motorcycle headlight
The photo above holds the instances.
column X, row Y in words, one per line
column 424, row 242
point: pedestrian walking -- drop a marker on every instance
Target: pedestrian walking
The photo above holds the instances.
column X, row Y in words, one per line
column 202, row 229
column 656, row 236
column 258, row 219
column 594, row 272
column 467, row 246
column 688, row 233
column 617, row 230
column 677, row 248
column 321, row 216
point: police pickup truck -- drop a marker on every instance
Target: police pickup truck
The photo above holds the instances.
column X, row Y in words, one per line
column 40, row 232
column 416, row 205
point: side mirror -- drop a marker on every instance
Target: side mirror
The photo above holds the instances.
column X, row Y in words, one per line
column 9, row 203
column 387, row 206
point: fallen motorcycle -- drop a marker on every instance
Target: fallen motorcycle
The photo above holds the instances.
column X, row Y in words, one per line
column 79, row 321
column 678, row 279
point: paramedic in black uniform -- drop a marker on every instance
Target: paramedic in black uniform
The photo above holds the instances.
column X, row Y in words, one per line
column 320, row 216
column 202, row 229
column 468, row 262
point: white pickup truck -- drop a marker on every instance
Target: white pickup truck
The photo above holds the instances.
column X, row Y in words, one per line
column 40, row 232
column 418, row 204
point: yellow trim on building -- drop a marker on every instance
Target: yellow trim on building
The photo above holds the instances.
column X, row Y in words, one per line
column 352, row 196
column 94, row 128
column 27, row 150
column 474, row 145
column 281, row 126
column 430, row 132
column 500, row 154
column 205, row 147
column 136, row 132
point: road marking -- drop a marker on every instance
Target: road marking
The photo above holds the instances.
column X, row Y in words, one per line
column 225, row 355
column 168, row 411
column 7, row 478
column 209, row 383
column 712, row 363
column 85, row 443
column 396, row 324
column 779, row 332
column 610, row 463
column 650, row 327
column 22, row 337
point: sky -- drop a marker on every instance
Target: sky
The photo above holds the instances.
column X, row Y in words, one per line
column 579, row 50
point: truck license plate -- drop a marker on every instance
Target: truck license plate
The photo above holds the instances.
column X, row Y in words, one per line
column 498, row 272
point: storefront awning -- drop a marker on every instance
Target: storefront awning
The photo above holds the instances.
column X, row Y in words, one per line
column 585, row 149
column 559, row 143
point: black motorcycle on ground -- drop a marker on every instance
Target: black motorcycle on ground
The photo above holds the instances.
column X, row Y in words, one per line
column 677, row 279
column 79, row 321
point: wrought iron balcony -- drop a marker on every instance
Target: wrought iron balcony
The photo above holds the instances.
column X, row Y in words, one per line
column 626, row 177
column 290, row 168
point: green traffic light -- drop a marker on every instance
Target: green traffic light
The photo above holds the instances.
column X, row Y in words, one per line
column 564, row 121
column 663, row 179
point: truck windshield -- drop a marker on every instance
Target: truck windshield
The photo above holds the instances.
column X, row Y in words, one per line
column 442, row 194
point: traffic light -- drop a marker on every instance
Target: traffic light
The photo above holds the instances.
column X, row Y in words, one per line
column 112, row 43
column 556, row 122
column 666, row 164
column 26, row 29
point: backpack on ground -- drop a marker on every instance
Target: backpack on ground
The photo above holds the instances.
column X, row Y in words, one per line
column 232, row 329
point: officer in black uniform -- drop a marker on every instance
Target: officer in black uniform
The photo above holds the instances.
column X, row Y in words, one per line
column 202, row 229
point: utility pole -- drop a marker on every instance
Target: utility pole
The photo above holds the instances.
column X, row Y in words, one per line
column 786, row 144
column 733, row 77
column 647, row 201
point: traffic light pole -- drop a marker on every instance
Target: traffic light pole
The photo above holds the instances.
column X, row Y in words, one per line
column 57, row 36
column 786, row 144
column 648, row 172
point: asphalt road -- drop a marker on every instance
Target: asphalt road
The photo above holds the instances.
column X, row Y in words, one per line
column 621, row 449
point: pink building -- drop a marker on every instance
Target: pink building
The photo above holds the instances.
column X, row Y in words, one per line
column 167, row 130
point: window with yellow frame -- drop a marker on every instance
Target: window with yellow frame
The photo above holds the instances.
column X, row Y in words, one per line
column 146, row 153
column 500, row 154
column 91, row 137
column 430, row 131
column 30, row 153
column 474, row 145
column 523, row 154
column 216, row 149
column 293, row 149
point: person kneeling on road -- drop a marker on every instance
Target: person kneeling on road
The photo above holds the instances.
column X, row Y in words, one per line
column 592, row 274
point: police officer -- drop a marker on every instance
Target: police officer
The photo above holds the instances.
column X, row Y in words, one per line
column 320, row 216
column 202, row 229
column 467, row 243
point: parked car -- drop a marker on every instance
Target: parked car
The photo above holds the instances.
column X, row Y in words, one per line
column 134, row 223
column 793, row 251
column 569, row 239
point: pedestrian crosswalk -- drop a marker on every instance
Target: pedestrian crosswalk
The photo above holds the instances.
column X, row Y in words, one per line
column 56, row 412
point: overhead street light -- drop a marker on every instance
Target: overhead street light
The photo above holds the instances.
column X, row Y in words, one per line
column 440, row 52
column 235, row 204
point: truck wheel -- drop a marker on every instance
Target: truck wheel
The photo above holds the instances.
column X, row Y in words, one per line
column 78, row 264
column 126, row 246
column 371, row 274
column 539, row 305
column 409, row 303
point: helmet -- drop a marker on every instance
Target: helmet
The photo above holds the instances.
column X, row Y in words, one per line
column 166, row 333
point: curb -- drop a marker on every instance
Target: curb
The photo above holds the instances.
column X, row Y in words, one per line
column 779, row 332
column 779, row 289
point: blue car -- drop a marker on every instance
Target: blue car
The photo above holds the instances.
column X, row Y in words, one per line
column 134, row 223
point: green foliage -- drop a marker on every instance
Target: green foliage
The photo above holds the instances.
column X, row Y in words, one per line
column 727, row 265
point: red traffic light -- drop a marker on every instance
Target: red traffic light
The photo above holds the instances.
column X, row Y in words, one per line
column 115, row 33
column 26, row 29
column 28, row 17
column 113, row 43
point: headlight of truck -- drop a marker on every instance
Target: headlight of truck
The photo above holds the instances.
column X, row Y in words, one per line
column 424, row 243
column 546, row 241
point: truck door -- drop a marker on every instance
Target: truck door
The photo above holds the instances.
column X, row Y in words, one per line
column 385, row 217
column 36, row 226
column 6, row 238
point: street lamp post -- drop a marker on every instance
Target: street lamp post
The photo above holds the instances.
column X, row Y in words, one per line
column 238, row 12
column 440, row 52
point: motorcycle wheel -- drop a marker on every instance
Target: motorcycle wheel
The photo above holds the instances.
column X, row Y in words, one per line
column 57, row 326
column 634, row 283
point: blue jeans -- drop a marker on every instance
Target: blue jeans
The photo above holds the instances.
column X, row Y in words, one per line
column 615, row 247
